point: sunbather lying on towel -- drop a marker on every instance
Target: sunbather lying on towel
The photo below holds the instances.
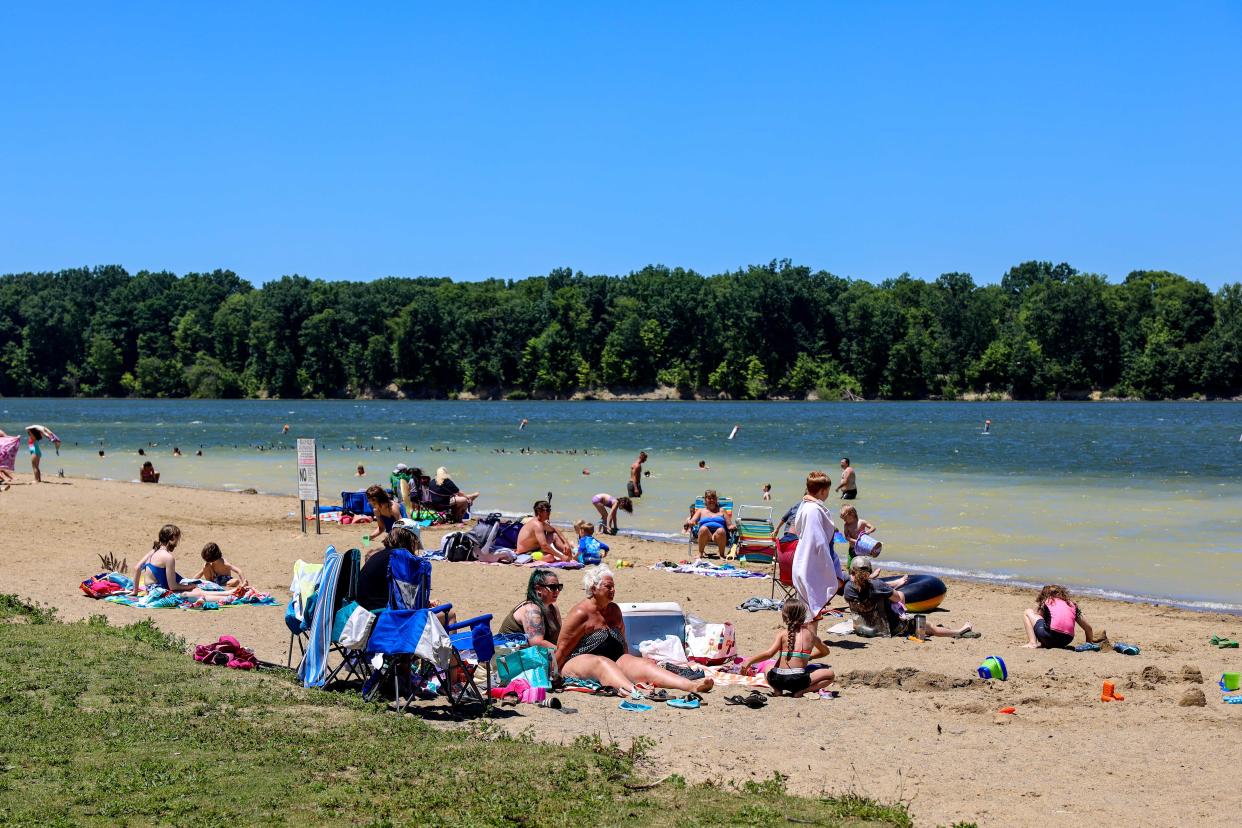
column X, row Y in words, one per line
column 159, row 566
column 592, row 643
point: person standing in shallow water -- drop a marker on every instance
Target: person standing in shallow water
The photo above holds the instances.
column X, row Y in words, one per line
column 848, row 487
column 635, row 485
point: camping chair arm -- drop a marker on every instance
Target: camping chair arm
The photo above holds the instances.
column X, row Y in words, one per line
column 469, row 622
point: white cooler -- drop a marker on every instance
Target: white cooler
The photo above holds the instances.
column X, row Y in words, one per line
column 650, row 621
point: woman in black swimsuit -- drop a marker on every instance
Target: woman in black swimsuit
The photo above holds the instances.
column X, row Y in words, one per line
column 592, row 643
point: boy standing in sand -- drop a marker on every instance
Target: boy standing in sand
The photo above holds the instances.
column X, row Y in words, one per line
column 635, row 487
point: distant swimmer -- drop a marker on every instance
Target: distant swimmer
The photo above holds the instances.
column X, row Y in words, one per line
column 362, row 472
column 176, row 451
column 586, row 471
column 767, row 491
column 285, row 430
column 523, row 424
column 703, row 466
column 848, row 487
column 987, row 426
column 635, row 486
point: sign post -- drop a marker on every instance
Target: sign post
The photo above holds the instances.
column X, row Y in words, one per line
column 308, row 482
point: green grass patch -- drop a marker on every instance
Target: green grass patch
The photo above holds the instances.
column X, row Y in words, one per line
column 118, row 726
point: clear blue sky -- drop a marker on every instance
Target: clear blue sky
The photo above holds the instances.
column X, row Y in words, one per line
column 360, row 140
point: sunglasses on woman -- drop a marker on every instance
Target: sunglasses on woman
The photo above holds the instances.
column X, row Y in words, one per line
column 553, row 587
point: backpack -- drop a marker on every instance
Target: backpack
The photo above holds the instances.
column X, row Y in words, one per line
column 459, row 546
column 484, row 532
column 507, row 534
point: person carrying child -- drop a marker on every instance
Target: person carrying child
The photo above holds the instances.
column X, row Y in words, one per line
column 591, row 551
column 218, row 570
column 1050, row 624
column 793, row 649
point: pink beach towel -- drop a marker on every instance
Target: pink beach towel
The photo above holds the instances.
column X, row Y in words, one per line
column 8, row 452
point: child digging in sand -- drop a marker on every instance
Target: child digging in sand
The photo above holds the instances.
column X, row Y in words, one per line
column 794, row 648
column 1051, row 624
column 218, row 570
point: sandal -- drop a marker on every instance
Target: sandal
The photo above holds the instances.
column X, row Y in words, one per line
column 604, row 690
column 634, row 707
column 754, row 701
column 658, row 694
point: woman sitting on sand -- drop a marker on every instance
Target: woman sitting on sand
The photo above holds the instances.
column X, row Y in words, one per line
column 1051, row 624
column 592, row 643
column 878, row 606
column 538, row 617
column 445, row 495
column 148, row 474
column 159, row 566
column 607, row 506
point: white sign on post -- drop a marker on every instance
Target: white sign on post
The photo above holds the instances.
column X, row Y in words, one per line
column 308, row 470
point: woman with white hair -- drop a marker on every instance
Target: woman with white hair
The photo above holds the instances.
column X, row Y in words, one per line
column 592, row 643
column 445, row 495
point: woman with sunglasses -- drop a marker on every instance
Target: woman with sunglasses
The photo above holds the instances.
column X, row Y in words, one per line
column 538, row 617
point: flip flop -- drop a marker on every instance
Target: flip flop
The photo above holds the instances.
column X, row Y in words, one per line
column 634, row 707
column 1087, row 648
column 659, row 694
column 969, row 634
column 690, row 702
column 754, row 701
column 604, row 690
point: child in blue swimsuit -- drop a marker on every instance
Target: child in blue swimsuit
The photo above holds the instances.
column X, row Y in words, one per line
column 591, row 551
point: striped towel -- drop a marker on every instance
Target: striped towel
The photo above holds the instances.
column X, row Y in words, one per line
column 314, row 667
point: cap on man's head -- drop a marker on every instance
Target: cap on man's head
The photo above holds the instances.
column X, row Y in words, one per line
column 401, row 467
column 861, row 562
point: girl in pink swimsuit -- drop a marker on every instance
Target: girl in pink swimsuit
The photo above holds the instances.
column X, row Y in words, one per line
column 607, row 506
column 1050, row 624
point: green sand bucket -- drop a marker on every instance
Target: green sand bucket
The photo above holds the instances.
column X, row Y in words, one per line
column 993, row 667
column 1230, row 681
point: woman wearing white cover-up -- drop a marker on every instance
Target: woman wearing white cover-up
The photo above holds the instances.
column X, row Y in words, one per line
column 817, row 574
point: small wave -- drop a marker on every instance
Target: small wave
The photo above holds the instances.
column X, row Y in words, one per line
column 196, row 422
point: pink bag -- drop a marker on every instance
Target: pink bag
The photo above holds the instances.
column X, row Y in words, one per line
column 227, row 652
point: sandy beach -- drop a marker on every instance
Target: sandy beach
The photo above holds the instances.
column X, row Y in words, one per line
column 911, row 723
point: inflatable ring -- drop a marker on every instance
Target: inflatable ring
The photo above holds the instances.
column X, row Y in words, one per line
column 923, row 592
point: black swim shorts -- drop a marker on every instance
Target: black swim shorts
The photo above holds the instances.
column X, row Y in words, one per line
column 633, row 489
column 849, row 494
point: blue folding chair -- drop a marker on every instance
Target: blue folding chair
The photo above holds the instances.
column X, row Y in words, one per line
column 417, row 642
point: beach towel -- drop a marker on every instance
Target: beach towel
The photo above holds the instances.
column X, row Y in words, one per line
column 313, row 670
column 226, row 652
column 8, row 452
column 816, row 569
column 708, row 569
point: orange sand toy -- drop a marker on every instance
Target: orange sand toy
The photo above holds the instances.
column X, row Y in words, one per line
column 1110, row 693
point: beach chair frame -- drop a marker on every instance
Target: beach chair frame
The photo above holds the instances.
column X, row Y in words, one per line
column 782, row 565
column 756, row 535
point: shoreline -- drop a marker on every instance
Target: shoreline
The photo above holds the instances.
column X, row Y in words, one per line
column 946, row 573
column 920, row 706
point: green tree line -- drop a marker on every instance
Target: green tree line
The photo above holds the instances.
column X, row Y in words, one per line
column 780, row 329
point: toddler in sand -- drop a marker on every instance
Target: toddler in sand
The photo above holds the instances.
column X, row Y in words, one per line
column 591, row 551
column 218, row 570
column 1051, row 624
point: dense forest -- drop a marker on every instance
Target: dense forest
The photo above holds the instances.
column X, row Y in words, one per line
column 779, row 330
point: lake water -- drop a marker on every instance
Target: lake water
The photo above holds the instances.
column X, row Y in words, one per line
column 1121, row 499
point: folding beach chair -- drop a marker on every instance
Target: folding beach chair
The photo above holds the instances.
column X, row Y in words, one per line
column 297, row 612
column 782, row 567
column 756, row 542
column 726, row 506
column 412, row 632
column 338, row 586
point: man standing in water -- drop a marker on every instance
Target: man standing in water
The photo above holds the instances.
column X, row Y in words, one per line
column 635, row 487
column 848, row 487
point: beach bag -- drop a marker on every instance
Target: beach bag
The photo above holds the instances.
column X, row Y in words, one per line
column 710, row 643
column 352, row 626
column 98, row 586
column 507, row 534
column 664, row 650
column 529, row 663
column 484, row 532
column 459, row 546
